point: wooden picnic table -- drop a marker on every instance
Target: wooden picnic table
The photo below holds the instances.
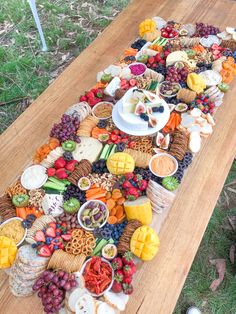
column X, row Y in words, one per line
column 159, row 282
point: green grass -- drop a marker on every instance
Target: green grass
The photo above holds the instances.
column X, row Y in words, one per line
column 69, row 27
column 215, row 244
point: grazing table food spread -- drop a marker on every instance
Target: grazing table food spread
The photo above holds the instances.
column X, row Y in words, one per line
column 77, row 223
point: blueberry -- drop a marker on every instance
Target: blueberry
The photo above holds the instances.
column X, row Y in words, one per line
column 155, row 109
column 56, row 240
column 56, row 247
column 161, row 109
column 58, row 225
column 34, row 245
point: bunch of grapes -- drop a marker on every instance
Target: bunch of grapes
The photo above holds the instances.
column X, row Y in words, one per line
column 66, row 129
column 74, row 191
column 174, row 74
column 51, row 287
column 205, row 30
column 70, row 220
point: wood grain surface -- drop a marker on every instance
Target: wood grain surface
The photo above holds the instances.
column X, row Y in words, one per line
column 159, row 282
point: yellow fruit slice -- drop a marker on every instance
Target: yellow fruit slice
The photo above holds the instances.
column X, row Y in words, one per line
column 8, row 252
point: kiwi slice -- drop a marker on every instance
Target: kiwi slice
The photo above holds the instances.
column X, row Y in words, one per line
column 69, row 146
column 170, row 183
column 20, row 200
column 71, row 206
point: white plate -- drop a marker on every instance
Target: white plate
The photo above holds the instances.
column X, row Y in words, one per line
column 34, row 177
column 162, row 119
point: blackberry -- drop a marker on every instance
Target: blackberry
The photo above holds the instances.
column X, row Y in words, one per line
column 99, row 166
column 145, row 173
column 227, row 53
column 130, row 58
column 179, row 175
column 172, row 100
column 67, row 156
column 120, row 147
column 144, row 116
column 138, row 44
column 74, row 191
column 161, row 109
column 155, row 109
column 102, row 124
column 183, row 84
column 160, row 69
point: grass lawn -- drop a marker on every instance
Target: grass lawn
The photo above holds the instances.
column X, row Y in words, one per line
column 25, row 71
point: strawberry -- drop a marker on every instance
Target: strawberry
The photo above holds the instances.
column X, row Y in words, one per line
column 132, row 82
column 93, row 101
column 44, row 251
column 61, row 173
column 127, row 280
column 151, row 60
column 113, row 137
column 133, row 268
column 128, row 258
column 66, row 237
column 131, row 144
column 137, row 178
column 116, row 287
column 119, row 276
column 143, row 184
column 51, row 172
column 51, row 232
column 52, row 224
column 132, row 194
column 129, row 175
column 126, row 184
column 117, row 263
column 115, row 131
column 70, row 166
column 127, row 288
column 90, row 94
column 127, row 270
column 83, row 98
column 60, row 163
column 39, row 236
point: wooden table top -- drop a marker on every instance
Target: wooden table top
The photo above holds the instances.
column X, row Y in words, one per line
column 159, row 282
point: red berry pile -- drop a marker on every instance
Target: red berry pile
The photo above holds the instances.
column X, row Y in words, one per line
column 169, row 32
column 124, row 270
column 133, row 185
column 51, row 238
column 93, row 97
column 203, row 103
column 62, row 168
column 127, row 84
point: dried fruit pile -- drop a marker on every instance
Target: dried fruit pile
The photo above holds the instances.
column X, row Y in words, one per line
column 83, row 209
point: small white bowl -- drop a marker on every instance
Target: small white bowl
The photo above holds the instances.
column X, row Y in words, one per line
column 112, row 279
column 82, row 208
column 99, row 104
column 15, row 218
column 159, row 155
column 32, row 172
column 166, row 95
column 137, row 63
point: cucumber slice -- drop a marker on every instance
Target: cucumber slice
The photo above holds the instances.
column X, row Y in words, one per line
column 57, row 181
column 112, row 151
column 104, row 151
column 99, row 246
column 108, row 151
column 55, row 186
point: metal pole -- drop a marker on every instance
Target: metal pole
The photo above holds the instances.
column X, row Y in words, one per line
column 37, row 21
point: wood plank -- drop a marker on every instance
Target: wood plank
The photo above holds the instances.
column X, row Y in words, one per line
column 159, row 282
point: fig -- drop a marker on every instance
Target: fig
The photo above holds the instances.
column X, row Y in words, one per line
column 152, row 121
column 140, row 108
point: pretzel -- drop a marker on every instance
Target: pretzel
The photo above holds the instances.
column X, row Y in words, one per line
column 81, row 242
column 16, row 189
